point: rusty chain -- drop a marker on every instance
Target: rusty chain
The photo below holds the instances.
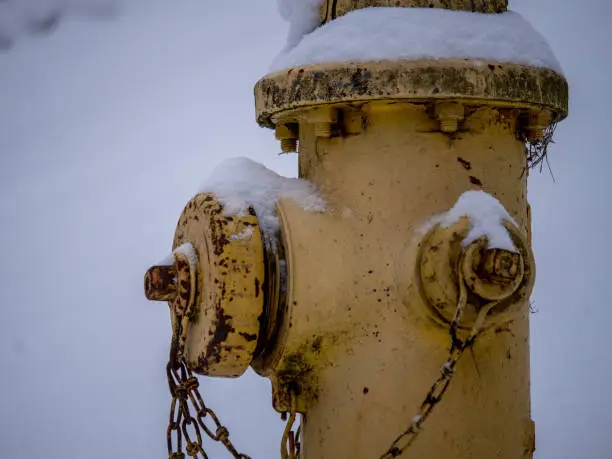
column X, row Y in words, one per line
column 183, row 427
column 184, row 388
column 458, row 348
column 290, row 442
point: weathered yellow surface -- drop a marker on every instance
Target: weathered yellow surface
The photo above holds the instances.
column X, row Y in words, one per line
column 349, row 311
column 222, row 335
column 473, row 83
column 364, row 328
column 359, row 336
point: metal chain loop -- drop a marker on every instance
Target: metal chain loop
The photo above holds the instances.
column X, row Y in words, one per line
column 184, row 388
column 290, row 446
column 186, row 398
column 458, row 348
column 298, row 442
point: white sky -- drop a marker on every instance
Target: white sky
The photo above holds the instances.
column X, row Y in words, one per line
column 108, row 127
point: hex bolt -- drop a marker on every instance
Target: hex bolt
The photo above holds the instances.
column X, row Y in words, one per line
column 324, row 118
column 537, row 122
column 160, row 283
column 352, row 121
column 534, row 134
column 288, row 136
column 288, row 145
column 449, row 114
column 449, row 125
column 323, row 129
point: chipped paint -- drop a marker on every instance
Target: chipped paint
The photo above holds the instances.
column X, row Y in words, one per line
column 223, row 333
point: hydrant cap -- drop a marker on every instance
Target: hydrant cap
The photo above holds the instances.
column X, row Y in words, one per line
column 223, row 333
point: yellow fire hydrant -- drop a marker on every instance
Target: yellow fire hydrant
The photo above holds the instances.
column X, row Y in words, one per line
column 417, row 274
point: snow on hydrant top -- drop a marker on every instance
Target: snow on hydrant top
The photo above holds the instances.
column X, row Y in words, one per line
column 388, row 33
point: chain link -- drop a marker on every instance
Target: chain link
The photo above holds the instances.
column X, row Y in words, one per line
column 290, row 442
column 183, row 427
column 184, row 388
column 298, row 441
column 458, row 348
column 186, row 399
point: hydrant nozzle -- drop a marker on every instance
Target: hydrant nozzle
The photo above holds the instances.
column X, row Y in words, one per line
column 215, row 287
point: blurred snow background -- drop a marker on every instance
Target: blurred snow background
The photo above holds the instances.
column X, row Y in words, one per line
column 22, row 18
column 110, row 119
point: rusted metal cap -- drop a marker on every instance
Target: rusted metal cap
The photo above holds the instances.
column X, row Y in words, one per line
column 490, row 274
column 222, row 327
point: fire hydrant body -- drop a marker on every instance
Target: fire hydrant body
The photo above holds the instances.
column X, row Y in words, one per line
column 362, row 302
column 367, row 345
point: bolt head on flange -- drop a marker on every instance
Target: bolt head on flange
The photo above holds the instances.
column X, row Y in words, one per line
column 288, row 136
column 223, row 328
column 450, row 114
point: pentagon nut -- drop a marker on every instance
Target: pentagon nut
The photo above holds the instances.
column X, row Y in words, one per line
column 492, row 274
column 160, row 283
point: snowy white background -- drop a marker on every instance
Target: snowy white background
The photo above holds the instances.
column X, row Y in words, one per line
column 110, row 123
